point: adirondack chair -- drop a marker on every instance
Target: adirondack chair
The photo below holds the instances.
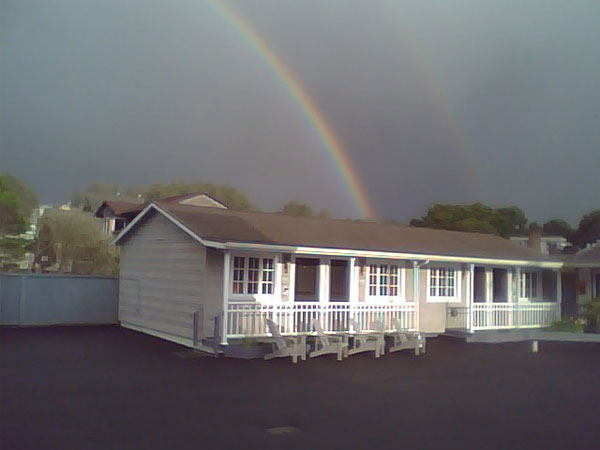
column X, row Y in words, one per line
column 328, row 344
column 407, row 340
column 283, row 347
column 365, row 342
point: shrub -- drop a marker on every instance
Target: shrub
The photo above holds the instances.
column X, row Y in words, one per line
column 570, row 325
column 591, row 314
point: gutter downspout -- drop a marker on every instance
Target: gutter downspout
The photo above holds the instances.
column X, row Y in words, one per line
column 416, row 290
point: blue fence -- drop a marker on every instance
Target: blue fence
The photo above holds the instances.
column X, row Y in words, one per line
column 44, row 299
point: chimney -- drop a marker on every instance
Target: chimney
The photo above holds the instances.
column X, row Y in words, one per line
column 534, row 240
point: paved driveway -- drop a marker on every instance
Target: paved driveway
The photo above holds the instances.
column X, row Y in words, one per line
column 110, row 388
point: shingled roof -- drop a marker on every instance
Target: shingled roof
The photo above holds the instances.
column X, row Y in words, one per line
column 223, row 225
column 585, row 257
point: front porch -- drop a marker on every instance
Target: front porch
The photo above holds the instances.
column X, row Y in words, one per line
column 498, row 316
column 501, row 298
column 248, row 319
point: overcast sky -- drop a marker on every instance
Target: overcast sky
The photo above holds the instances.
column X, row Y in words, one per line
column 434, row 101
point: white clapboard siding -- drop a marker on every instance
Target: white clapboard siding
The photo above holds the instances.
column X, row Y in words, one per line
column 162, row 280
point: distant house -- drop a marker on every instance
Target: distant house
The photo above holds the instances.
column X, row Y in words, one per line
column 117, row 214
column 179, row 259
column 547, row 245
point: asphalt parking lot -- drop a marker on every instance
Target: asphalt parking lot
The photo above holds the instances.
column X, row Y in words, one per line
column 105, row 387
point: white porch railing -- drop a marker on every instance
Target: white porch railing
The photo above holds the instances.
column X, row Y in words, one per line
column 249, row 318
column 494, row 316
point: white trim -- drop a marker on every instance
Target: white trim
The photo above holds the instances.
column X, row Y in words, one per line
column 225, row 305
column 259, row 296
column 401, row 297
column 139, row 217
column 538, row 287
column 456, row 298
column 311, row 251
column 325, row 251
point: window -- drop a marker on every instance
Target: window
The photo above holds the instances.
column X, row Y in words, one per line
column 529, row 284
column 384, row 280
column 442, row 282
column 253, row 275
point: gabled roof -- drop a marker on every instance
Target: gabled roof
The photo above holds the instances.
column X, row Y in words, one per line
column 226, row 228
column 588, row 257
column 196, row 199
column 120, row 208
column 94, row 201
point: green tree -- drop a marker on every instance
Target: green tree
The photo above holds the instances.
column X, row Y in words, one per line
column 76, row 242
column 293, row 208
column 27, row 200
column 557, row 227
column 512, row 221
column 475, row 218
column 11, row 218
column 588, row 230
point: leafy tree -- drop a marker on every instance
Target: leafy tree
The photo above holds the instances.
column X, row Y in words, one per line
column 293, row 208
column 512, row 221
column 557, row 227
column 27, row 200
column 11, row 220
column 77, row 198
column 475, row 218
column 76, row 242
column 588, row 230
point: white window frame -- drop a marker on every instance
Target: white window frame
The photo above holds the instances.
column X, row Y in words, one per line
column 538, row 285
column 259, row 296
column 401, row 296
column 456, row 298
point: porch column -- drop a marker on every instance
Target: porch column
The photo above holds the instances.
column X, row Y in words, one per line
column 323, row 280
column 225, row 306
column 517, row 296
column 470, row 297
column 292, row 278
column 417, row 292
column 353, row 280
column 489, row 285
column 558, row 273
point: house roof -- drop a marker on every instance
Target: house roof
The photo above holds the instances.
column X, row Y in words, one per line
column 587, row 257
column 276, row 229
column 94, row 201
column 196, row 199
column 120, row 208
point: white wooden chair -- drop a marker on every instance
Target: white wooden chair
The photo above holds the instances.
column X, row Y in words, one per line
column 283, row 347
column 328, row 344
column 407, row 340
column 365, row 342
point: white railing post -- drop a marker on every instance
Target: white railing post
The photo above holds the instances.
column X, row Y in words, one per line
column 517, row 297
column 470, row 297
column 558, row 313
column 225, row 305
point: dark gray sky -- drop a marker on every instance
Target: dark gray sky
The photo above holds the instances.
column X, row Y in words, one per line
column 435, row 101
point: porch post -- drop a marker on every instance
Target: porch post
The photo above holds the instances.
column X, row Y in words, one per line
column 558, row 273
column 416, row 292
column 353, row 290
column 292, row 278
column 489, row 285
column 470, row 297
column 517, row 296
column 225, row 306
